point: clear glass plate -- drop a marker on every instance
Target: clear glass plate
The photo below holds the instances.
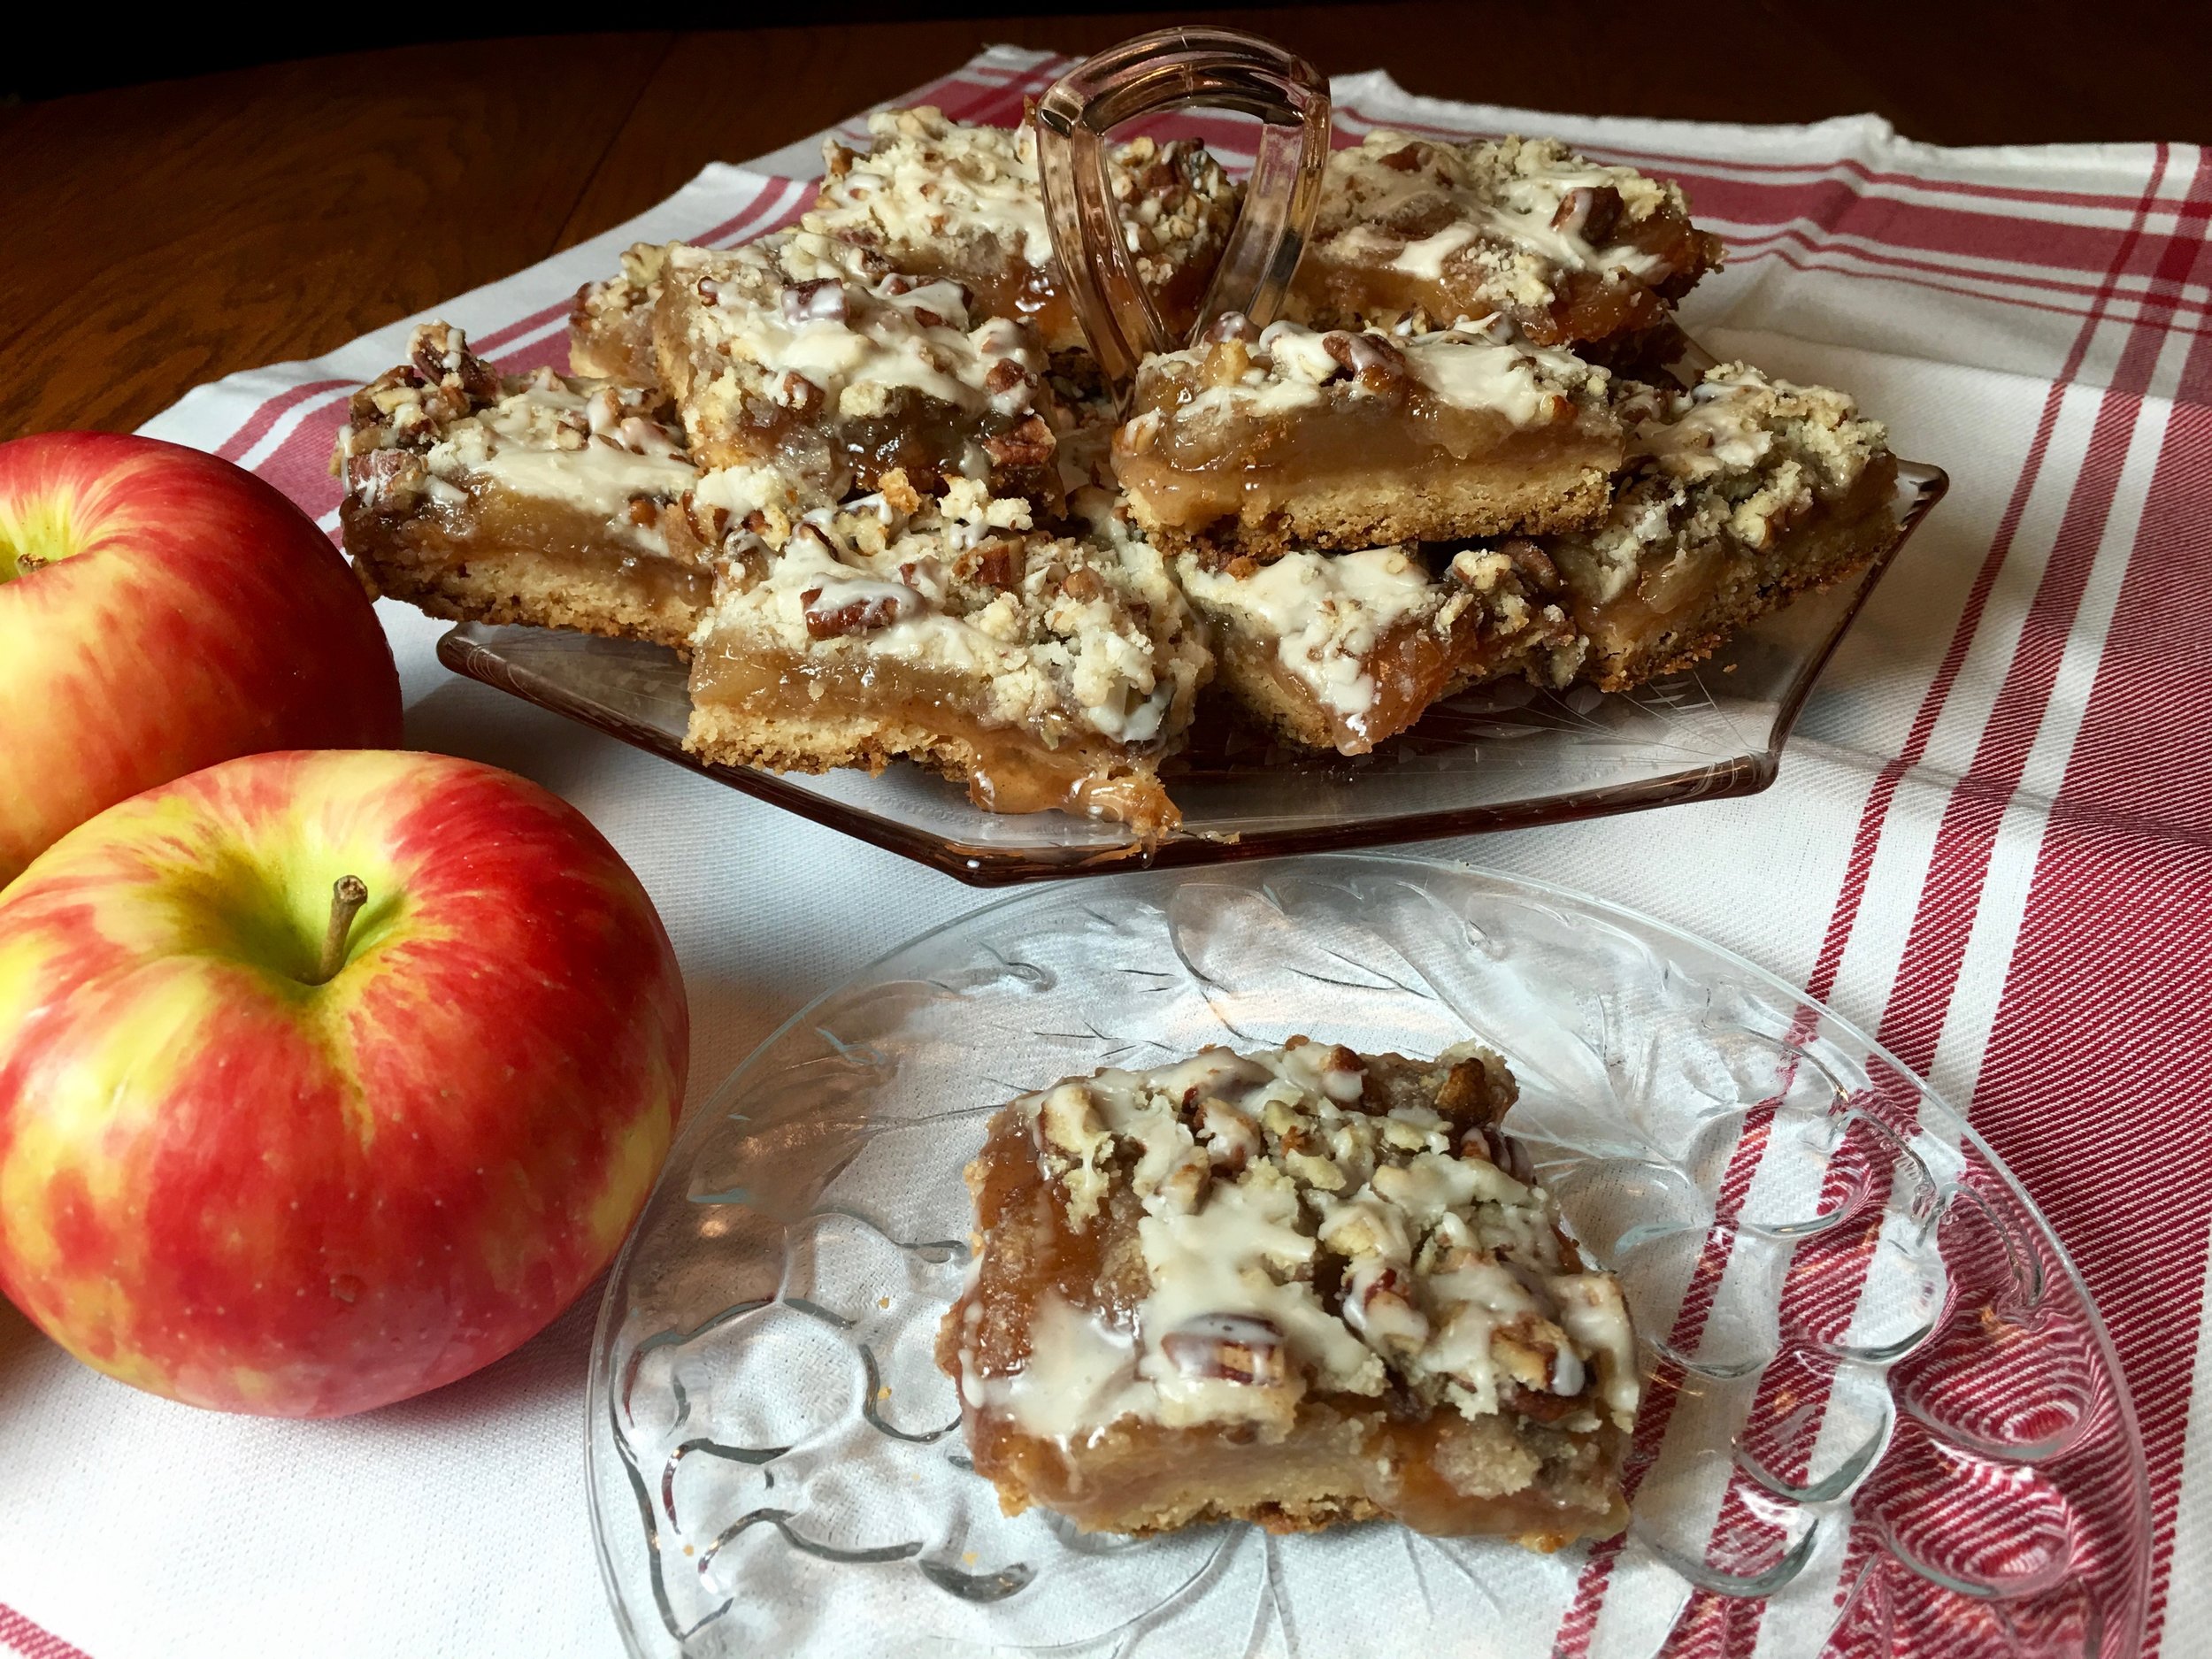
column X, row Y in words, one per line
column 1881, row 1414
column 1503, row 758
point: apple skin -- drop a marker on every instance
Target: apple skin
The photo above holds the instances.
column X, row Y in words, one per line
column 221, row 1183
column 189, row 613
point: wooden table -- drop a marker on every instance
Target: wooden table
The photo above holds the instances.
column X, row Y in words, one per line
column 163, row 235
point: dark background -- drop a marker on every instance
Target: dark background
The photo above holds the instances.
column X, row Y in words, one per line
column 1970, row 72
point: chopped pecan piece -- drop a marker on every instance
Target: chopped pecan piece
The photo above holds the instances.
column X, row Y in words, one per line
column 1231, row 1346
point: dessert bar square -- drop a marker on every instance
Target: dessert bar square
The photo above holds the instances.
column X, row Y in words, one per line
column 1044, row 671
column 944, row 199
column 610, row 325
column 1568, row 248
column 1741, row 493
column 1341, row 650
column 1298, row 1287
column 1260, row 440
column 563, row 503
column 810, row 358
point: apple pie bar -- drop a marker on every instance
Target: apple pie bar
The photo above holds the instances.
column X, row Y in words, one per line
column 558, row 503
column 1341, row 650
column 610, row 325
column 1259, row 440
column 944, row 199
column 1568, row 248
column 1741, row 493
column 806, row 355
column 1300, row 1288
column 1044, row 671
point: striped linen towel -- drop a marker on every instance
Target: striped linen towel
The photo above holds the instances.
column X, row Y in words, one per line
column 1991, row 844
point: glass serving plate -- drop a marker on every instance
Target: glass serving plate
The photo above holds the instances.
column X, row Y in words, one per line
column 1880, row 1415
column 1501, row 758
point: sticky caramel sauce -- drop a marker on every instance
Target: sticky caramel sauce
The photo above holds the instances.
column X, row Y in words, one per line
column 1132, row 1475
column 1007, row 769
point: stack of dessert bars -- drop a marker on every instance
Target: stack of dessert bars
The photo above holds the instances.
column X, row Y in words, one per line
column 863, row 475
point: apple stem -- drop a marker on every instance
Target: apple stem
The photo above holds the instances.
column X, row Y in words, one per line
column 347, row 895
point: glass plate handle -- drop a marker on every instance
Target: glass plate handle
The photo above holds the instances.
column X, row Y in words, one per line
column 1173, row 69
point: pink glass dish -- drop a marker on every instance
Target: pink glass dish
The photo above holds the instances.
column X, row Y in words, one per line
column 1881, row 1414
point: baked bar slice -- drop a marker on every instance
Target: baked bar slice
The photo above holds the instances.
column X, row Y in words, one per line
column 1260, row 440
column 1341, row 650
column 1741, row 493
column 1298, row 1287
column 562, row 504
column 808, row 356
column 610, row 325
column 944, row 199
column 1043, row 671
column 1570, row 250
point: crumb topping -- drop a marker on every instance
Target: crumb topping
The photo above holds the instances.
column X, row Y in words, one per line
column 806, row 351
column 1327, row 614
column 1057, row 634
column 1507, row 220
column 445, row 422
column 1314, row 1224
column 1244, row 372
column 1732, row 462
column 928, row 183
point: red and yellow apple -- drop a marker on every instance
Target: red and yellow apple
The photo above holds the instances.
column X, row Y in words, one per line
column 161, row 609
column 326, row 1078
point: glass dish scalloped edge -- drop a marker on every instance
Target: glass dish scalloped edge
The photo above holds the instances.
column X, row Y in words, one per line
column 1500, row 757
column 1881, row 1413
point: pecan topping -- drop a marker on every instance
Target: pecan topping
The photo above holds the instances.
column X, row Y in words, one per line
column 818, row 302
column 878, row 607
column 1029, row 444
column 1410, row 159
column 1005, row 375
column 441, row 355
column 1379, row 364
column 1231, row 1346
column 1083, row 584
column 1532, row 562
column 1593, row 213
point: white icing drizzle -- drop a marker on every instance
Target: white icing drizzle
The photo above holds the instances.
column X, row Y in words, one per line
column 1325, row 612
column 1247, row 1168
column 1116, row 655
column 1533, row 197
column 1487, row 365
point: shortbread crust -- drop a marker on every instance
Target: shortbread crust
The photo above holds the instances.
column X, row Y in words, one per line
column 1299, row 1287
column 1043, row 670
column 938, row 198
column 1739, row 495
column 553, row 502
column 1260, row 440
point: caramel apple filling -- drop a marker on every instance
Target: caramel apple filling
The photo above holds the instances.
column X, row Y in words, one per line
column 1740, row 494
column 1297, row 1287
column 1261, row 438
column 945, row 200
column 1343, row 651
column 1568, row 248
column 538, row 500
column 807, row 355
column 882, row 711
column 1044, row 671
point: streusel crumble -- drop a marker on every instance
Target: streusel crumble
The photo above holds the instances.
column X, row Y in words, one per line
column 1259, row 440
column 1043, row 670
column 1568, row 248
column 1298, row 1287
column 539, row 499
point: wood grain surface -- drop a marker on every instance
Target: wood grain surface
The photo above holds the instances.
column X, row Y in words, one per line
column 163, row 235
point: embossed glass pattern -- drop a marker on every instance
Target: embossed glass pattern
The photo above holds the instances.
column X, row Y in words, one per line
column 1501, row 758
column 1881, row 1414
column 1152, row 74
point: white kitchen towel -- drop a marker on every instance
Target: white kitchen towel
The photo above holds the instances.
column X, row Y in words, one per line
column 1991, row 842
